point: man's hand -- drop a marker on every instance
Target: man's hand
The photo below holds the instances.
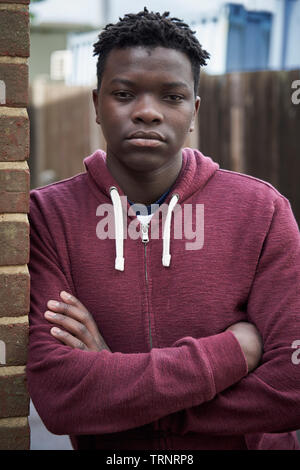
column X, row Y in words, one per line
column 250, row 341
column 80, row 330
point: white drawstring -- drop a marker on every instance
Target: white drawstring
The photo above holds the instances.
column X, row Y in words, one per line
column 119, row 228
column 166, row 258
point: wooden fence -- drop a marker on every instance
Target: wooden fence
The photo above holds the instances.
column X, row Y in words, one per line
column 63, row 131
column 248, row 123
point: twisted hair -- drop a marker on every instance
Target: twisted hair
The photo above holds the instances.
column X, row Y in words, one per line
column 150, row 29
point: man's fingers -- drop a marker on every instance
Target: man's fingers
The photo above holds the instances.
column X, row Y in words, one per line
column 68, row 339
column 70, row 306
column 70, row 299
column 73, row 308
column 84, row 328
column 72, row 326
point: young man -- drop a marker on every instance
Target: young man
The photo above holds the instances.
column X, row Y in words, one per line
column 159, row 345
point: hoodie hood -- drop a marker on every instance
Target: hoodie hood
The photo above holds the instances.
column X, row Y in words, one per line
column 195, row 172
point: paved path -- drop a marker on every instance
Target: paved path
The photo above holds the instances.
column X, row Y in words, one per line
column 41, row 438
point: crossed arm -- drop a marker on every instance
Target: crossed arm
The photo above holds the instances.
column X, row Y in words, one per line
column 80, row 331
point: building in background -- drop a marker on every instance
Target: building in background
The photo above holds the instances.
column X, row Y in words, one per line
column 241, row 39
column 56, row 31
column 240, row 36
column 83, row 67
column 237, row 38
column 45, row 40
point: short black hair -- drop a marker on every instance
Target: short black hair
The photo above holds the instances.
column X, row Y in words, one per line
column 150, row 29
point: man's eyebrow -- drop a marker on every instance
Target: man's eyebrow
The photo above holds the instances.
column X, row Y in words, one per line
column 175, row 85
column 125, row 81
column 122, row 81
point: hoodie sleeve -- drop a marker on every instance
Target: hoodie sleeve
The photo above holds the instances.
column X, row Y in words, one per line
column 268, row 399
column 82, row 392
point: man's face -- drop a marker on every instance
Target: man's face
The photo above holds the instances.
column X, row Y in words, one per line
column 146, row 106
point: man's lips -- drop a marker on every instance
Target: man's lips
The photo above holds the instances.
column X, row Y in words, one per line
column 145, row 139
column 146, row 135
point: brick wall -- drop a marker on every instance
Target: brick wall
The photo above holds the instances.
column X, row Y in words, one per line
column 14, row 227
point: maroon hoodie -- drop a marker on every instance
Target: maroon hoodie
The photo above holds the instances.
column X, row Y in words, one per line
column 175, row 379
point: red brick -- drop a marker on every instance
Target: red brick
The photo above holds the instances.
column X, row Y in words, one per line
column 14, row 284
column 14, row 190
column 14, row 135
column 14, row 179
column 14, row 434
column 14, row 240
column 15, row 77
column 14, row 334
column 14, row 398
column 14, row 202
column 24, row 2
column 14, row 33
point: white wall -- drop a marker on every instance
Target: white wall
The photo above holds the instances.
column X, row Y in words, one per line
column 213, row 38
column 41, row 46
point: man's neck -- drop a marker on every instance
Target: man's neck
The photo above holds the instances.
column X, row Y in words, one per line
column 145, row 188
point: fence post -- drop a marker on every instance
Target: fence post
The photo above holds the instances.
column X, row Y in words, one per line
column 14, row 226
column 237, row 152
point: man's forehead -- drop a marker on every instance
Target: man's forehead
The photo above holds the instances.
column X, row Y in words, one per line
column 123, row 62
column 147, row 52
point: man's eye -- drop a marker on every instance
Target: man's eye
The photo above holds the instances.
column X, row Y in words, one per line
column 122, row 94
column 175, row 98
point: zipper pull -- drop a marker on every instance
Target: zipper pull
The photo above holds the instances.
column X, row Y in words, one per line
column 145, row 235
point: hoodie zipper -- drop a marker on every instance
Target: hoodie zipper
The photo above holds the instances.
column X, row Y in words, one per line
column 145, row 240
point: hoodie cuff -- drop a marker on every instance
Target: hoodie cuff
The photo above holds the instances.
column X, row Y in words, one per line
column 226, row 358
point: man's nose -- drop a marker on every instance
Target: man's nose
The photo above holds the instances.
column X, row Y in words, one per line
column 147, row 110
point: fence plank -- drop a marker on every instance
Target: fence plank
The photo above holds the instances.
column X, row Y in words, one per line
column 248, row 123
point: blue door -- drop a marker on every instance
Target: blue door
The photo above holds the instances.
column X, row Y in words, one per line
column 248, row 39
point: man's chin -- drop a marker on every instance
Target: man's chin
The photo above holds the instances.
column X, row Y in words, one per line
column 144, row 161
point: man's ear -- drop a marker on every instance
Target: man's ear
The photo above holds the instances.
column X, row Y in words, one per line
column 196, row 110
column 95, row 101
